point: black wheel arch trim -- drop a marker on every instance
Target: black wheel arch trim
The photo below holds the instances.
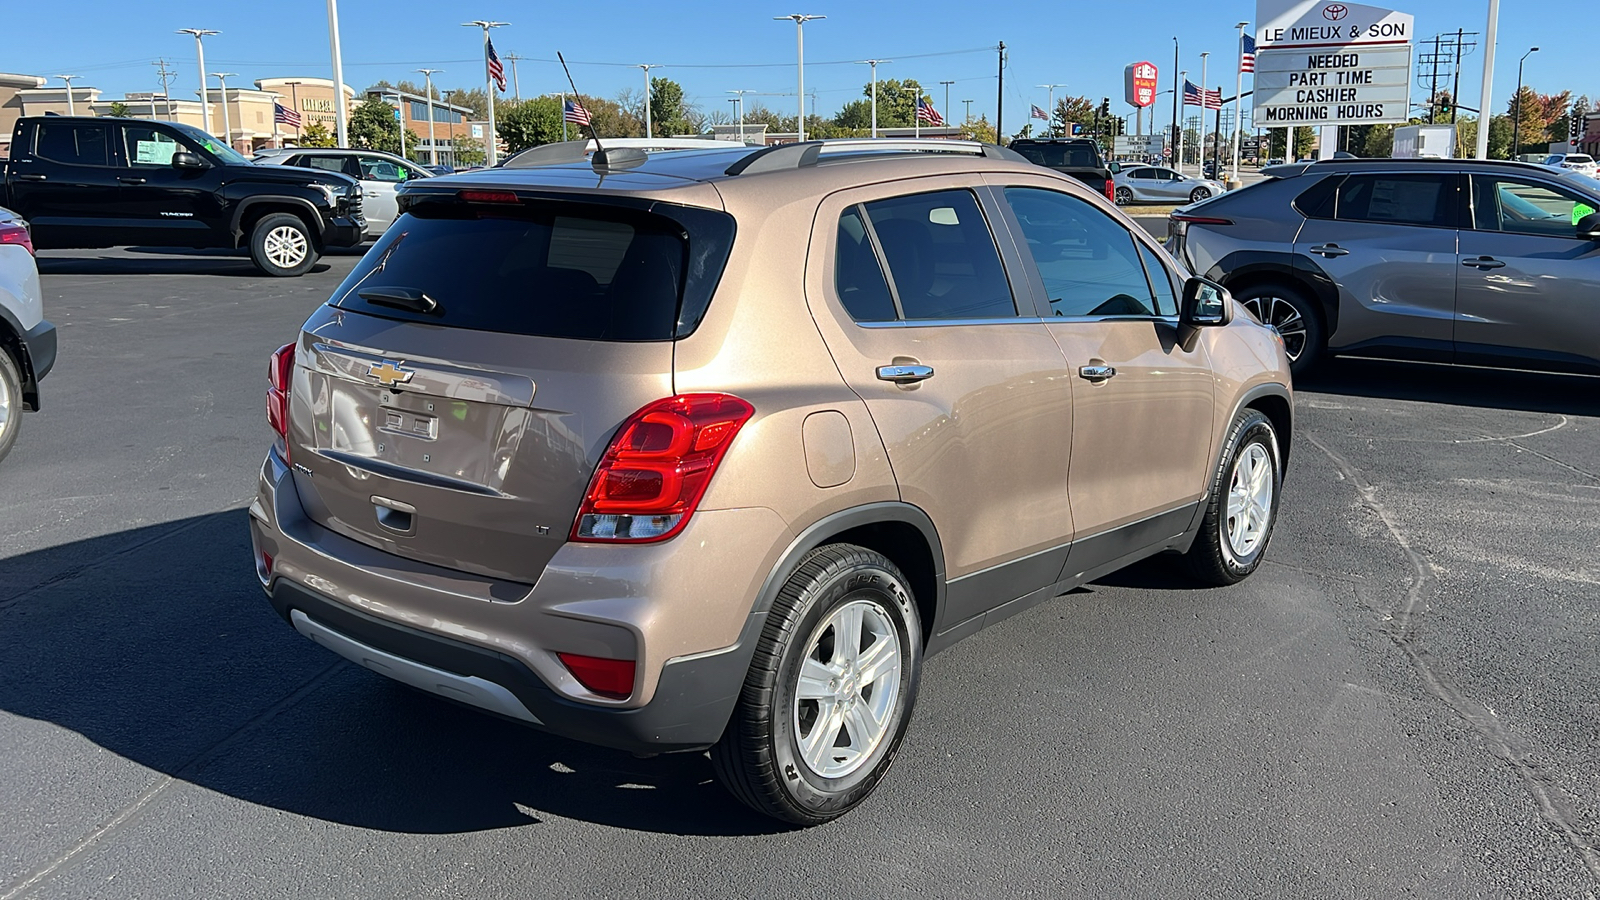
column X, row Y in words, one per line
column 1285, row 441
column 245, row 205
column 1291, row 267
column 21, row 343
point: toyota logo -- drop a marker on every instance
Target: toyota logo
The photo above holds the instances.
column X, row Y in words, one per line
column 1335, row 11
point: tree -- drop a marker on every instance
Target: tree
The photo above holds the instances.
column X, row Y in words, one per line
column 981, row 130
column 316, row 135
column 530, row 123
column 468, row 152
column 1534, row 117
column 119, row 110
column 669, row 114
column 897, row 102
column 474, row 99
column 855, row 114
column 1377, row 142
column 1070, row 111
column 373, row 126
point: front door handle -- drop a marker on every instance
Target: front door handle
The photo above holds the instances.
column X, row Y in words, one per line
column 130, row 179
column 32, row 176
column 1097, row 373
column 905, row 374
column 1330, row 250
column 1484, row 262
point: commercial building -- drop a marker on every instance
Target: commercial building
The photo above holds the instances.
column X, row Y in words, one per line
column 450, row 124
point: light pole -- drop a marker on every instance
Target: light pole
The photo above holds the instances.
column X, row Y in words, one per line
column 740, row 100
column 649, row 129
column 1177, row 125
column 1051, row 106
column 200, row 51
column 516, row 83
column 1200, row 151
column 341, row 112
column 1177, row 95
column 433, row 145
column 490, row 148
column 800, row 21
column 947, row 97
column 1516, row 121
column 227, row 126
column 1238, row 97
column 1486, row 96
column 967, row 122
column 874, row 63
column 71, row 109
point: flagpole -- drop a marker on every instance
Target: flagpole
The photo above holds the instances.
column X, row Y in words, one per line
column 1177, row 156
column 490, row 147
column 563, row 116
column 1238, row 99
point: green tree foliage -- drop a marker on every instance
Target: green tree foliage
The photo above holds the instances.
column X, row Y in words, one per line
column 529, row 123
column 1377, row 142
column 1303, row 139
column 855, row 114
column 897, row 102
column 373, row 126
column 982, row 130
column 316, row 135
column 468, row 152
column 474, row 99
column 1539, row 115
column 119, row 110
column 1069, row 110
column 669, row 114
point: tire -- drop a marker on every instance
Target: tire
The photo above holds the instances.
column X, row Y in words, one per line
column 763, row 756
column 10, row 401
column 1288, row 311
column 1242, row 507
column 1124, row 196
column 281, row 245
column 1198, row 194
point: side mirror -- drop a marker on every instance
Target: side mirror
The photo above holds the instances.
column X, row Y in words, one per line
column 183, row 160
column 1205, row 303
column 1589, row 227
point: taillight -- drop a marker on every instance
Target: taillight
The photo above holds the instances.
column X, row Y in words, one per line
column 279, row 373
column 11, row 233
column 607, row 677
column 1111, row 190
column 657, row 468
column 1199, row 220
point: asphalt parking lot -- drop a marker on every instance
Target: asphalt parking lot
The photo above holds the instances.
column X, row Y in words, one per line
column 1401, row 702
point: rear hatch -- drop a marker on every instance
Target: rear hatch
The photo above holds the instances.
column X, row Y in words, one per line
column 454, row 397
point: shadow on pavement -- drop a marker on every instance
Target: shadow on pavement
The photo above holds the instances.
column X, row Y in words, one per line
column 154, row 261
column 157, row 644
column 1459, row 386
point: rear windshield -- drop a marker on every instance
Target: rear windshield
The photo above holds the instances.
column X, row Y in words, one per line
column 551, row 270
column 1076, row 156
column 1578, row 158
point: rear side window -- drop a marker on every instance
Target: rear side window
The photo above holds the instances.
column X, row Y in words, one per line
column 856, row 274
column 74, row 142
column 1317, row 201
column 1421, row 199
column 325, row 163
column 941, row 257
column 553, row 270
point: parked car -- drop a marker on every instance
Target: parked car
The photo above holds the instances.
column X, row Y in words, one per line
column 1077, row 157
column 105, row 182
column 535, row 454
column 380, row 175
column 1159, row 184
column 27, row 341
column 1578, row 162
column 1463, row 261
column 440, row 170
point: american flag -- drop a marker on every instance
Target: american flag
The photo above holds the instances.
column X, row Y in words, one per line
column 496, row 71
column 1247, row 55
column 1191, row 96
column 285, row 115
column 1038, row 113
column 926, row 113
column 574, row 112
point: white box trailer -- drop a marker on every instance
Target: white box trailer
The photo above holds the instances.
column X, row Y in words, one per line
column 1424, row 142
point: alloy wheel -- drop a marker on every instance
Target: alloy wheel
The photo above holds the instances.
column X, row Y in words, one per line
column 849, row 686
column 286, row 247
column 1281, row 316
column 1124, row 196
column 1249, row 500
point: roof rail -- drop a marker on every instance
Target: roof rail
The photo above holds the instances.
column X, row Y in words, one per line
column 564, row 152
column 799, row 156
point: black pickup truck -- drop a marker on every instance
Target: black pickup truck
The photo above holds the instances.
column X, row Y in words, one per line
column 103, row 182
column 1078, row 157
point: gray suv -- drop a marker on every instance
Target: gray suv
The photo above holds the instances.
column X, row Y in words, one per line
column 1452, row 261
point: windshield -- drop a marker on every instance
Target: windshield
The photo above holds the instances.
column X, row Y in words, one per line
column 211, row 145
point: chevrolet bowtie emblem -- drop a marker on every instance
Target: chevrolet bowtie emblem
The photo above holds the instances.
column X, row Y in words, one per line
column 388, row 374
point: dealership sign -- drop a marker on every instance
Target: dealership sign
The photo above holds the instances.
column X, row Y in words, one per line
column 1330, row 63
column 1138, row 145
column 1298, row 24
column 1139, row 84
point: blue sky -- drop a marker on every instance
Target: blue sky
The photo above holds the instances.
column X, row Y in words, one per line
column 713, row 47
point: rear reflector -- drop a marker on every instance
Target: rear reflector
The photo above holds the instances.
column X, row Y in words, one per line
column 611, row 678
column 488, row 196
column 17, row 235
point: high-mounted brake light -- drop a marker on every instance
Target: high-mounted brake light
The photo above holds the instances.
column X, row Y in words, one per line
column 657, row 468
column 17, row 235
column 488, row 196
column 607, row 677
column 1199, row 220
column 279, row 372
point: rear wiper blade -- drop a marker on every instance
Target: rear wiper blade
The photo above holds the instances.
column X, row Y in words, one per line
column 401, row 298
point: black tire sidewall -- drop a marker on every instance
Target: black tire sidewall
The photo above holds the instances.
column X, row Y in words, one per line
column 811, row 794
column 1257, row 429
column 11, row 373
column 258, row 239
column 1316, row 334
column 1124, row 196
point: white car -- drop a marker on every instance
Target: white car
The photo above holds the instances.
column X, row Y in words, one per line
column 1159, row 184
column 27, row 341
column 379, row 173
column 1578, row 162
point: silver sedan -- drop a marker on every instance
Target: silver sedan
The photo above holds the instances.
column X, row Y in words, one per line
column 1158, row 184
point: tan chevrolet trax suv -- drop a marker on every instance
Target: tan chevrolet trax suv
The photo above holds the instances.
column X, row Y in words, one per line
column 713, row 448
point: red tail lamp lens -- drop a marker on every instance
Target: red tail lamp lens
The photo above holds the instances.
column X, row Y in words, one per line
column 18, row 235
column 1111, row 190
column 611, row 678
column 658, row 466
column 279, row 373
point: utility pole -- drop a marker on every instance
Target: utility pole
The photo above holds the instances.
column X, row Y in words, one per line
column 227, row 126
column 490, row 143
column 947, row 100
column 968, row 118
column 1050, row 123
column 71, row 109
column 739, row 99
column 294, row 98
column 874, row 63
column 800, row 21
column 1178, row 123
column 516, row 85
column 649, row 130
column 433, row 145
column 166, row 76
column 1176, row 144
column 200, row 51
column 1000, row 100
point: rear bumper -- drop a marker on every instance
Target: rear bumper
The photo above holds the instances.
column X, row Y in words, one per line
column 493, row 644
column 39, row 348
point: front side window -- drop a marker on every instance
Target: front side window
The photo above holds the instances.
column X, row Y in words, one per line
column 941, row 258
column 147, row 145
column 1089, row 263
column 1527, row 207
column 325, row 163
column 1398, row 199
column 1161, row 281
column 74, row 142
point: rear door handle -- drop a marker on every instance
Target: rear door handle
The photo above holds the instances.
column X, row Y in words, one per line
column 1097, row 373
column 32, row 176
column 130, row 179
column 1484, row 262
column 905, row 374
column 1330, row 250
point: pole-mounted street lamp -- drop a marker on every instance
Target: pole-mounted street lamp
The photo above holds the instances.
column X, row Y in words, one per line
column 227, row 126
column 800, row 21
column 200, row 51
column 433, row 145
column 1516, row 121
column 73, row 110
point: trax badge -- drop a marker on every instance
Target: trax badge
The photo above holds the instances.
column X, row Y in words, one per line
column 388, row 374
